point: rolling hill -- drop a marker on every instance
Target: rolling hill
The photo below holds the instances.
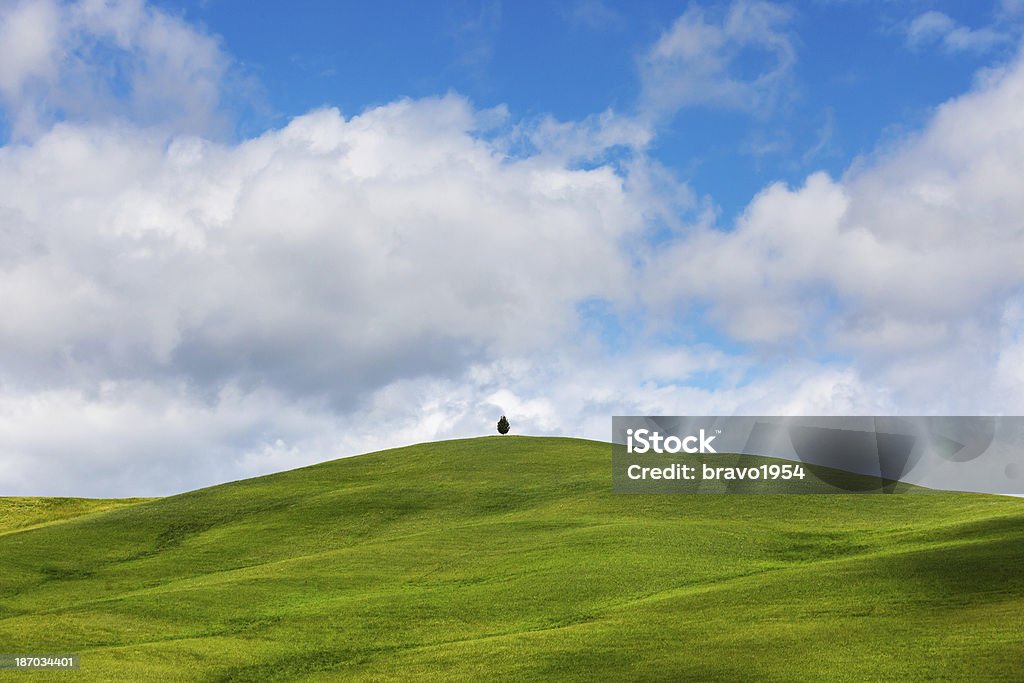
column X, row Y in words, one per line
column 20, row 513
column 510, row 558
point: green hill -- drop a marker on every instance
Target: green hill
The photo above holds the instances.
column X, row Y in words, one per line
column 19, row 513
column 510, row 558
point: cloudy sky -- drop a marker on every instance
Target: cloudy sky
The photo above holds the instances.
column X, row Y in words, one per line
column 237, row 238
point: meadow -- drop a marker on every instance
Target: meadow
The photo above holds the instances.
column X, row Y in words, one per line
column 510, row 558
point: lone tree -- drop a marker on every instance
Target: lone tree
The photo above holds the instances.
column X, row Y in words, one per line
column 503, row 425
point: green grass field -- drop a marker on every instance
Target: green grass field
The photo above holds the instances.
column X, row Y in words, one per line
column 20, row 514
column 509, row 558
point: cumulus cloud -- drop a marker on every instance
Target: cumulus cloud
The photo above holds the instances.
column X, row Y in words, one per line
column 183, row 308
column 76, row 61
column 331, row 255
column 694, row 62
column 912, row 257
column 179, row 311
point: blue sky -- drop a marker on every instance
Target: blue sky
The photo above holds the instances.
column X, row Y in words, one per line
column 241, row 237
column 857, row 79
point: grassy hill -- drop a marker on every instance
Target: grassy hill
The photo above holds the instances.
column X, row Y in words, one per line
column 508, row 557
column 19, row 513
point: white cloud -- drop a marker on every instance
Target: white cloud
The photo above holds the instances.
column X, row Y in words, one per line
column 906, row 263
column 1009, row 372
column 106, row 59
column 28, row 35
column 333, row 253
column 155, row 437
column 768, row 273
column 693, row 63
column 179, row 311
column 589, row 139
column 935, row 27
column 286, row 280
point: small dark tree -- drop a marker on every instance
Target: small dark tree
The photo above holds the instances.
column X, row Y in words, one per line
column 503, row 425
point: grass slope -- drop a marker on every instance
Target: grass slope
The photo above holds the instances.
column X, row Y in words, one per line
column 509, row 558
column 20, row 513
